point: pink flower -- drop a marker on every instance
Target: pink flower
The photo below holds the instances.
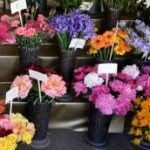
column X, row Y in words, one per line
column 105, row 103
column 15, row 23
column 54, row 87
column 123, row 105
column 26, row 14
column 10, row 38
column 20, row 31
column 29, row 32
column 16, row 17
column 116, row 85
column 5, row 18
column 41, row 17
column 80, row 87
column 80, row 76
column 24, row 84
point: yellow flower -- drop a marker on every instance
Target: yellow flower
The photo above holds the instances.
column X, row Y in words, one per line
column 132, row 131
column 2, row 140
column 137, row 141
column 12, row 138
column 135, row 122
column 148, row 137
column 119, row 50
column 138, row 132
column 92, row 51
column 26, row 137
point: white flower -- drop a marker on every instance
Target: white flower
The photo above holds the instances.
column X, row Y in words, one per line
column 132, row 71
column 139, row 88
column 92, row 79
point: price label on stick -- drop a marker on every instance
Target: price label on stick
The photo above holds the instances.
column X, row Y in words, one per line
column 86, row 6
column 37, row 75
column 107, row 68
column 18, row 6
column 10, row 95
column 77, row 43
column 40, row 77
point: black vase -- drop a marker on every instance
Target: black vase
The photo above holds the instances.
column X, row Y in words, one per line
column 27, row 57
column 39, row 114
column 67, row 61
column 111, row 17
column 98, row 128
column 145, row 145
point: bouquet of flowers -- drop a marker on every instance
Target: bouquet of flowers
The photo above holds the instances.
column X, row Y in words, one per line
column 139, row 38
column 140, row 124
column 72, row 25
column 51, row 91
column 115, row 98
column 102, row 45
column 31, row 34
column 14, row 128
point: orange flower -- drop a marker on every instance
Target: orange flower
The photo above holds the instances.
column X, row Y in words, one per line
column 135, row 122
column 109, row 37
column 98, row 42
column 148, row 137
column 2, row 108
column 132, row 131
column 120, row 33
column 2, row 101
column 137, row 101
column 138, row 132
column 119, row 50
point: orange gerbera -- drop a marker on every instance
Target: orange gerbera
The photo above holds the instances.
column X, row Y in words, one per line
column 98, row 42
column 109, row 38
column 2, row 108
column 119, row 50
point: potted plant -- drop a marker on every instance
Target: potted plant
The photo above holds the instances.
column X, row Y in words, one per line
column 72, row 26
column 29, row 36
column 38, row 106
column 14, row 129
column 105, row 100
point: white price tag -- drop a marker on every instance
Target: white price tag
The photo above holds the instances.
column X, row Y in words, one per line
column 11, row 94
column 37, row 75
column 86, row 6
column 77, row 43
column 18, row 6
column 107, row 68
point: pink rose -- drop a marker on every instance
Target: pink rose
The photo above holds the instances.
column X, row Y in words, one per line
column 29, row 32
column 15, row 23
column 24, row 84
column 54, row 87
column 20, row 31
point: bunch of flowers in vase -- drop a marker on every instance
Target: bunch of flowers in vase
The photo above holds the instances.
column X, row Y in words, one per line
column 105, row 100
column 74, row 27
column 29, row 36
column 39, row 98
column 138, row 39
column 140, row 123
column 14, row 129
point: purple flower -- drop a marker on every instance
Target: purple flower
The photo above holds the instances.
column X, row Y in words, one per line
column 79, row 87
column 146, row 70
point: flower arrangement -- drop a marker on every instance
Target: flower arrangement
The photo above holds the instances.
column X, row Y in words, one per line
column 51, row 91
column 14, row 128
column 31, row 34
column 72, row 25
column 116, row 98
column 140, row 123
column 101, row 46
column 139, row 38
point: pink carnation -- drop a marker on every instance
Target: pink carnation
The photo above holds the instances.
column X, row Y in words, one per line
column 116, row 85
column 20, row 31
column 41, row 17
column 105, row 103
column 80, row 87
column 15, row 23
column 54, row 87
column 5, row 18
column 80, row 76
column 24, row 84
column 29, row 32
